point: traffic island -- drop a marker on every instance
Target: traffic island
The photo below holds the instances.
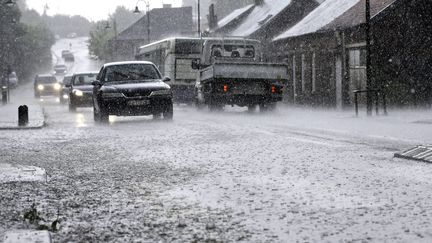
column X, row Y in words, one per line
column 27, row 236
column 21, row 117
column 21, row 173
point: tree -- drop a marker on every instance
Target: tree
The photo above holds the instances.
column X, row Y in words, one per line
column 24, row 48
column 99, row 37
column 105, row 30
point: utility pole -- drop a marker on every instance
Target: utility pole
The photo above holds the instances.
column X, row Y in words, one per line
column 199, row 19
column 368, row 61
column 148, row 21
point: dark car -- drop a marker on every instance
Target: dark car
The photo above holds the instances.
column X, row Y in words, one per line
column 60, row 68
column 64, row 95
column 81, row 90
column 64, row 52
column 69, row 57
column 46, row 85
column 131, row 89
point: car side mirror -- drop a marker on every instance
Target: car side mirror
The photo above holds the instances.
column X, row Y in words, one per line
column 166, row 79
column 196, row 63
column 96, row 83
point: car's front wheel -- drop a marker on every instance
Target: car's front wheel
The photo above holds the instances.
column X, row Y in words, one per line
column 96, row 117
column 168, row 114
column 72, row 108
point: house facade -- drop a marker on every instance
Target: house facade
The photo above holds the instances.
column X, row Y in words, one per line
column 326, row 53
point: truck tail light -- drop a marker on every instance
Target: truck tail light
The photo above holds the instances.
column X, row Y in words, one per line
column 225, row 88
column 273, row 89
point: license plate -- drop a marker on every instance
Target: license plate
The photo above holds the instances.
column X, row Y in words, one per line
column 138, row 102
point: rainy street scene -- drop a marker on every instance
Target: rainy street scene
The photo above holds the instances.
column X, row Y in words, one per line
column 215, row 121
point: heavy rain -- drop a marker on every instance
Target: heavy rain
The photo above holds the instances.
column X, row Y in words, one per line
column 215, row 121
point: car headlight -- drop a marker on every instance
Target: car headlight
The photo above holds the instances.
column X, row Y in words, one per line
column 78, row 92
column 163, row 92
column 112, row 95
column 40, row 87
column 57, row 86
column 65, row 96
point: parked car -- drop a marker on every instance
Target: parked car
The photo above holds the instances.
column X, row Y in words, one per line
column 13, row 80
column 72, row 35
column 64, row 94
column 46, row 85
column 64, row 52
column 133, row 88
column 69, row 57
column 81, row 90
column 60, row 68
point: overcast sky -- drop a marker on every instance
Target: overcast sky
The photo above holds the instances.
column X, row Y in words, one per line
column 92, row 9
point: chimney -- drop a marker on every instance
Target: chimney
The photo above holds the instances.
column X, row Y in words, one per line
column 259, row 2
column 166, row 5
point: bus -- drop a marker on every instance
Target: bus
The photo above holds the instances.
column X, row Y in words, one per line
column 173, row 57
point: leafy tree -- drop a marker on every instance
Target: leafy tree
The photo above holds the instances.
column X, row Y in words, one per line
column 23, row 48
column 103, row 31
column 98, row 41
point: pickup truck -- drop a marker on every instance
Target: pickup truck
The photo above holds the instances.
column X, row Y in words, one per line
column 231, row 73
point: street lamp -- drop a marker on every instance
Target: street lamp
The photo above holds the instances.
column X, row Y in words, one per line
column 199, row 19
column 137, row 11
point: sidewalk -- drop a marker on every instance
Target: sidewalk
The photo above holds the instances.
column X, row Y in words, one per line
column 410, row 126
column 22, row 95
column 9, row 117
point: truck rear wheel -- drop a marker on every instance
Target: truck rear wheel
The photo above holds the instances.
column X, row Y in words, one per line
column 214, row 105
column 169, row 112
column 251, row 108
column 264, row 107
column 72, row 108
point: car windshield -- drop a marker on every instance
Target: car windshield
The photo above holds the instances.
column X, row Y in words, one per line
column 131, row 72
column 83, row 79
column 46, row 80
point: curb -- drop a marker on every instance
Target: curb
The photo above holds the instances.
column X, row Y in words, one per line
column 34, row 127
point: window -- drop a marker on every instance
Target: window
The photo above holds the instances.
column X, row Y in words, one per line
column 83, row 79
column 188, row 47
column 357, row 70
column 131, row 72
column 233, row 51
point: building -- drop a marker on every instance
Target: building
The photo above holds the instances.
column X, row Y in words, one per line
column 326, row 52
column 158, row 24
column 264, row 19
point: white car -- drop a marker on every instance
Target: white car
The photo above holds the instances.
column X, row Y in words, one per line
column 60, row 68
column 13, row 80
